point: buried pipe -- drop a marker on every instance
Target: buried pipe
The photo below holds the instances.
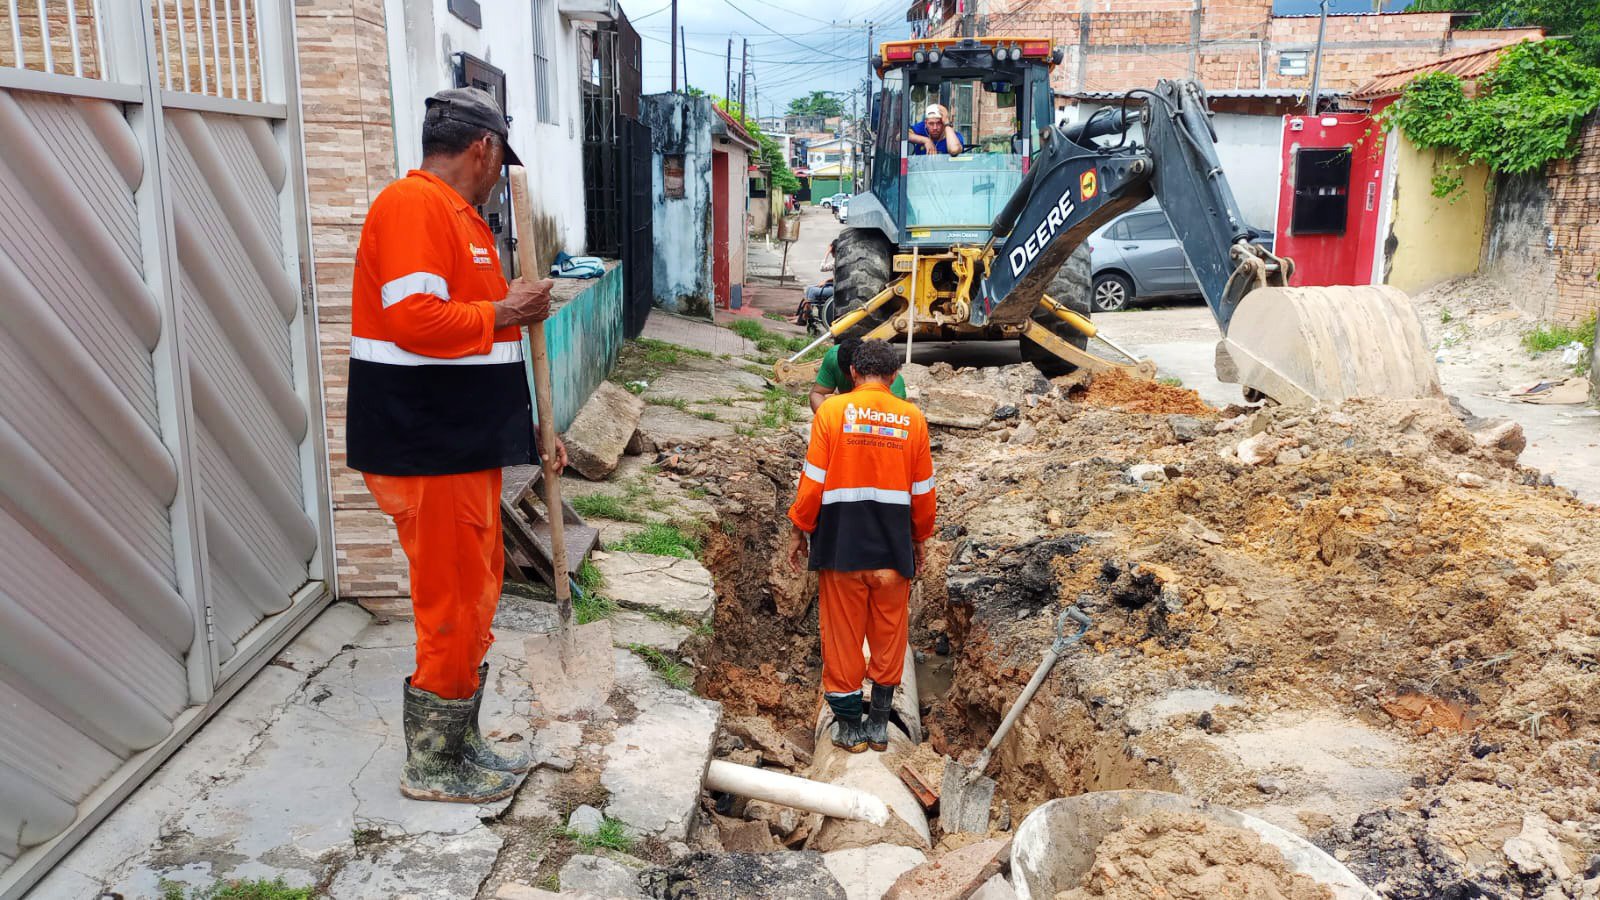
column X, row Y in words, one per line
column 799, row 793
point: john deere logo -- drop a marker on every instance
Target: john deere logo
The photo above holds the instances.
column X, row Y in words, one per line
column 1088, row 185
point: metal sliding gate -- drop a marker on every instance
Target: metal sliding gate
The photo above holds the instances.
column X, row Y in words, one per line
column 164, row 523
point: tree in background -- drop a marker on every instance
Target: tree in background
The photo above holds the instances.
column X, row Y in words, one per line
column 783, row 178
column 819, row 103
column 1577, row 20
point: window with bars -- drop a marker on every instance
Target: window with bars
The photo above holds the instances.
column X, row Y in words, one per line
column 544, row 108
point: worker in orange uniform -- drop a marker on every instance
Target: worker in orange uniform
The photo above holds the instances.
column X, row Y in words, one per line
column 866, row 501
column 438, row 404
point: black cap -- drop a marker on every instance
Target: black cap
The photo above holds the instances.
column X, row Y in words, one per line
column 472, row 106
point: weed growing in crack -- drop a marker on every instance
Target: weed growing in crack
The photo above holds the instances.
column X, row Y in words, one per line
column 660, row 540
column 612, row 835
column 768, row 342
column 670, row 670
column 592, row 607
column 677, row 403
column 363, row 837
column 551, row 883
column 589, row 577
column 253, row 889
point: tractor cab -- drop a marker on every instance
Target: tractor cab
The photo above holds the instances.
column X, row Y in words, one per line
column 996, row 97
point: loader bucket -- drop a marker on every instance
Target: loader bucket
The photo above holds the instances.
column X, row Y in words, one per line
column 1305, row 345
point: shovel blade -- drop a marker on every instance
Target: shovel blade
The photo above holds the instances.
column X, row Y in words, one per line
column 964, row 799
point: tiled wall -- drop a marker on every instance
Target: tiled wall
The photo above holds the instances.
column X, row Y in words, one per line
column 349, row 138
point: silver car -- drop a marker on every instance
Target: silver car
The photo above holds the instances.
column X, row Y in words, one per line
column 1137, row 257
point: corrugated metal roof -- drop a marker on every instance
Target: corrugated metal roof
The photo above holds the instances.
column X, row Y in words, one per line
column 1467, row 66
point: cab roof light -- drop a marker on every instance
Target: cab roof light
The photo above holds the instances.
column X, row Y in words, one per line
column 895, row 53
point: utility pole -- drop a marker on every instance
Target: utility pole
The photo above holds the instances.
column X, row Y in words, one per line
column 1316, row 71
column 727, row 75
column 744, row 74
column 870, row 72
column 685, row 37
column 674, row 61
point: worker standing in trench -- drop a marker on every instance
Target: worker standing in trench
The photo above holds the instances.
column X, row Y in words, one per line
column 863, row 510
column 438, row 404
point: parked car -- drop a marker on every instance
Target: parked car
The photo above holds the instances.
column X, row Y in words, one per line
column 834, row 201
column 1137, row 257
column 843, row 210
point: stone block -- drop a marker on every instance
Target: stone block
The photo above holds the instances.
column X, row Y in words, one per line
column 954, row 875
column 955, row 407
column 654, row 766
column 585, row 820
column 600, row 876
column 747, row 837
column 600, row 434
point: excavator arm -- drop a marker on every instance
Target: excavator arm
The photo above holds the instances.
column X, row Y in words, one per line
column 1296, row 345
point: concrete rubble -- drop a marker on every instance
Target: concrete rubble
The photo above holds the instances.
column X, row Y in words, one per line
column 602, row 430
column 654, row 765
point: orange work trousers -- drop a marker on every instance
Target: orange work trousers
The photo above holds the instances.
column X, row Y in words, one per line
column 869, row 604
column 450, row 531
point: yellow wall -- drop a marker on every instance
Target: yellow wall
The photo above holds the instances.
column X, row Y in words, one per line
column 1435, row 238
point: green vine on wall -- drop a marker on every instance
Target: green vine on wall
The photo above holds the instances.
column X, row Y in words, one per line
column 1527, row 111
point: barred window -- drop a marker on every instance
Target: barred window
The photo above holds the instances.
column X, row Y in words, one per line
column 541, row 64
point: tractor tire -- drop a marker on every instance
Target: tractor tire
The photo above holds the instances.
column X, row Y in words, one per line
column 1072, row 283
column 863, row 265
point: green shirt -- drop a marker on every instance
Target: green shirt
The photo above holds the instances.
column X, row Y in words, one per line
column 830, row 376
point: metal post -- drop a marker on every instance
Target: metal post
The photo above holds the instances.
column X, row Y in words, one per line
column 44, row 37
column 16, row 38
column 727, row 75
column 244, row 38
column 1316, row 71
column 674, row 61
column 233, row 53
column 72, row 26
column 685, row 38
column 744, row 73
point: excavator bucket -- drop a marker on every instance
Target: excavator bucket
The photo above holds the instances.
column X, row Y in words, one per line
column 1306, row 345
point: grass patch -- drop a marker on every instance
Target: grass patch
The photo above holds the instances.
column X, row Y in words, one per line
column 592, row 607
column 677, row 403
column 1445, row 316
column 1170, row 381
column 651, row 345
column 1554, row 337
column 253, row 889
column 779, row 409
column 774, row 316
column 605, row 506
column 551, row 883
column 766, row 341
column 589, row 577
column 660, row 540
column 706, row 414
column 612, row 835
column 670, row 670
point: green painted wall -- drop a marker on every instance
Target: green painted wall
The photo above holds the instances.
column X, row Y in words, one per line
column 822, row 188
column 584, row 338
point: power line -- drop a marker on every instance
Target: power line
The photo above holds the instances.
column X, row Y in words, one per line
column 736, row 8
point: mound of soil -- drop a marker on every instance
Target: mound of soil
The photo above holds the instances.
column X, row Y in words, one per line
column 1134, row 394
column 1184, row 856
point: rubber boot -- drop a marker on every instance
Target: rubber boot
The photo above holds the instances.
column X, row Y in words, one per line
column 849, row 732
column 480, row 750
column 878, row 716
column 436, row 765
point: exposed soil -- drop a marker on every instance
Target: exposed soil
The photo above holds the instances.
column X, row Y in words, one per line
column 1185, row 856
column 1368, row 625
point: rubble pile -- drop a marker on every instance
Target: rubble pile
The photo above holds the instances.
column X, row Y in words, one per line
column 1365, row 622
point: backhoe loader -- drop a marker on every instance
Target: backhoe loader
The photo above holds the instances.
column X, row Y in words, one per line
column 963, row 246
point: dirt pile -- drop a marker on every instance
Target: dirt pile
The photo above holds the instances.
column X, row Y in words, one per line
column 1184, row 856
column 1134, row 394
column 1362, row 622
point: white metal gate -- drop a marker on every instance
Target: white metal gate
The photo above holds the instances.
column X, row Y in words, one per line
column 164, row 523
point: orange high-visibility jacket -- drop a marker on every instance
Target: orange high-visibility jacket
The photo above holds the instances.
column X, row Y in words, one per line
column 435, row 388
column 867, row 489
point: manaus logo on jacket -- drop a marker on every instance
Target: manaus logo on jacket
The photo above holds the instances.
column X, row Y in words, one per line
column 865, row 420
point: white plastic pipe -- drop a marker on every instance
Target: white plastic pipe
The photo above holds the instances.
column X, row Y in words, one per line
column 800, row 793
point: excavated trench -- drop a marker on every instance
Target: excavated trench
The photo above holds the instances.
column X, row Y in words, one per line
column 763, row 657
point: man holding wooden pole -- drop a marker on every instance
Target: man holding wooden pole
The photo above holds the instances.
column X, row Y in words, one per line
column 438, row 404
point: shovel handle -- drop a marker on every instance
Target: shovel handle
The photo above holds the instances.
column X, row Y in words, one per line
column 1039, row 675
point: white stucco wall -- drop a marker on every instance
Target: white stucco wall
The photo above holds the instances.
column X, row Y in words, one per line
column 738, row 207
column 1249, row 148
column 423, row 37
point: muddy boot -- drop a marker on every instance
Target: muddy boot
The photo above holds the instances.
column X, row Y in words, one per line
column 436, row 766
column 480, row 750
column 849, row 732
column 878, row 716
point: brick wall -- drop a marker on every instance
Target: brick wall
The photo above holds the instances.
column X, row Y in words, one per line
column 1132, row 43
column 1575, row 229
column 349, row 146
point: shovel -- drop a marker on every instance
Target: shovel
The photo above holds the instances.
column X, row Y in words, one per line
column 966, row 794
column 528, row 265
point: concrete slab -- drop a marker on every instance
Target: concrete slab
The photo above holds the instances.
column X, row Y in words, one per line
column 669, row 427
column 866, row 873
column 629, row 627
column 443, row 866
column 654, row 765
column 667, row 584
column 600, row 432
column 126, row 839
column 699, row 334
column 600, row 876
column 563, row 688
column 696, row 380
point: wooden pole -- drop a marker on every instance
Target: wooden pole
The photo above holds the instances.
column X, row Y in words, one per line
column 544, row 401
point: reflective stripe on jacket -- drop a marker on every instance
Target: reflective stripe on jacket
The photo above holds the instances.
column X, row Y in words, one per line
column 866, row 492
column 435, row 388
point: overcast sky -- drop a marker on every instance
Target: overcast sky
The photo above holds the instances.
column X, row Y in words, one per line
column 798, row 46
